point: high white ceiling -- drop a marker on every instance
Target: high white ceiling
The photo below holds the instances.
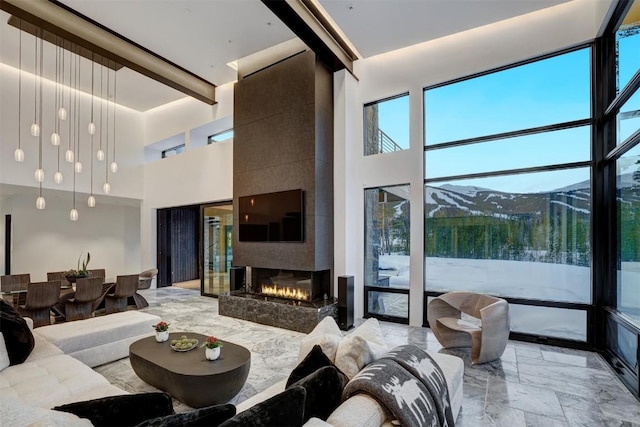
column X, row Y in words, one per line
column 378, row 26
column 202, row 36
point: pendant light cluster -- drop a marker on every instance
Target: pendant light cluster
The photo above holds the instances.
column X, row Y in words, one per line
column 80, row 128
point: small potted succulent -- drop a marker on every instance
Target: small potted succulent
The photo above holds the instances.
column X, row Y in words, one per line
column 212, row 348
column 162, row 331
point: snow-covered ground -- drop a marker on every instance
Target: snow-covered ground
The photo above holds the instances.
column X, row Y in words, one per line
column 521, row 279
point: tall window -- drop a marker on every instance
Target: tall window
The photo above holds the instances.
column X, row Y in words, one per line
column 621, row 125
column 386, row 125
column 508, row 192
column 387, row 251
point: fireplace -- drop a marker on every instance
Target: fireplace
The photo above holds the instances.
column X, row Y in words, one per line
column 305, row 286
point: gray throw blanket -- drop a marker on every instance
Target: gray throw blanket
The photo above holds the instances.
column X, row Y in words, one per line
column 410, row 384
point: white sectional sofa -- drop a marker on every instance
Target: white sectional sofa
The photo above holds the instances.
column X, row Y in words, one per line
column 49, row 377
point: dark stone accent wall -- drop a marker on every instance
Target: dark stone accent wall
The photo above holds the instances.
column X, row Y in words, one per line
column 287, row 316
column 283, row 140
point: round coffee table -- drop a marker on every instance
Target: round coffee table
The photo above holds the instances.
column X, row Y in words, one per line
column 189, row 376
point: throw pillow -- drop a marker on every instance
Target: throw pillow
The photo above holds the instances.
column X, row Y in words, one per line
column 17, row 335
column 123, row 410
column 284, row 409
column 315, row 360
column 326, row 334
column 211, row 416
column 361, row 347
column 324, row 392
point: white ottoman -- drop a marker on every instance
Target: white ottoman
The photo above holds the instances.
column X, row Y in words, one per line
column 101, row 339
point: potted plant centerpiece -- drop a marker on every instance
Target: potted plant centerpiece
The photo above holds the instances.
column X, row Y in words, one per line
column 212, row 348
column 162, row 331
column 82, row 272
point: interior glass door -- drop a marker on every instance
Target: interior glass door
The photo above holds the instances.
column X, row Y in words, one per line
column 217, row 253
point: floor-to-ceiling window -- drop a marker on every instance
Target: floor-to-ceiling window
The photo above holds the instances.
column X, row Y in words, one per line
column 619, row 64
column 387, row 245
column 507, row 202
column 387, row 225
column 217, row 248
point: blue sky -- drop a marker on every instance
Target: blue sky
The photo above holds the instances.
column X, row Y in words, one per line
column 541, row 93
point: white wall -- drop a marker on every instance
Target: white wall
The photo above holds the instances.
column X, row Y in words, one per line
column 411, row 70
column 201, row 174
column 46, row 240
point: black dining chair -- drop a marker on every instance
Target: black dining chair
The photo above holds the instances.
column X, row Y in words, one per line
column 125, row 287
column 41, row 296
column 15, row 282
column 81, row 305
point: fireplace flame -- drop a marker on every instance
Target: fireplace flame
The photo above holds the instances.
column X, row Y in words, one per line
column 285, row 292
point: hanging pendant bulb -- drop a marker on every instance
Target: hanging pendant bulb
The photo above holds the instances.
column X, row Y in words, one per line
column 68, row 156
column 35, row 129
column 91, row 128
column 106, row 188
column 78, row 167
column 100, row 155
column 40, row 203
column 114, row 167
column 57, row 177
column 55, row 139
column 73, row 215
column 39, row 175
column 91, row 201
column 18, row 155
column 62, row 113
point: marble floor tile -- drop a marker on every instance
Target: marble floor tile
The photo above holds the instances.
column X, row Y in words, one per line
column 523, row 397
column 532, row 385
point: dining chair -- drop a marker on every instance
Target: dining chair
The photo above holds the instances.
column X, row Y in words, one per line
column 41, row 296
column 15, row 282
column 146, row 277
column 99, row 272
column 81, row 305
column 125, row 287
column 59, row 275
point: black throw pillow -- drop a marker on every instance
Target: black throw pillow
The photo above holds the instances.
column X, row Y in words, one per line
column 324, row 392
column 211, row 416
column 313, row 361
column 17, row 336
column 125, row 410
column 283, row 410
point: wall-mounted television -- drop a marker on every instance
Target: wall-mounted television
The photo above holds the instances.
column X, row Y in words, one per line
column 272, row 217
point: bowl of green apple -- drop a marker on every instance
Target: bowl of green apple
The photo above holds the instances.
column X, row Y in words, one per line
column 184, row 343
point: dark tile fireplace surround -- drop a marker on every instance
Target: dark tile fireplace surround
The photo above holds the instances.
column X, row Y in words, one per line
column 286, row 299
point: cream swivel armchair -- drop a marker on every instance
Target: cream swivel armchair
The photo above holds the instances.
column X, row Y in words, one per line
column 487, row 338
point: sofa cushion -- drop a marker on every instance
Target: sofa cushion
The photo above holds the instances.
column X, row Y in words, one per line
column 210, row 416
column 284, row 409
column 126, row 410
column 314, row 360
column 14, row 412
column 324, row 391
column 52, row 381
column 326, row 334
column 71, row 337
column 360, row 347
column 18, row 338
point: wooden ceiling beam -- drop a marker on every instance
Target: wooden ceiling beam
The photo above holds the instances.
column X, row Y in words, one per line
column 68, row 24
